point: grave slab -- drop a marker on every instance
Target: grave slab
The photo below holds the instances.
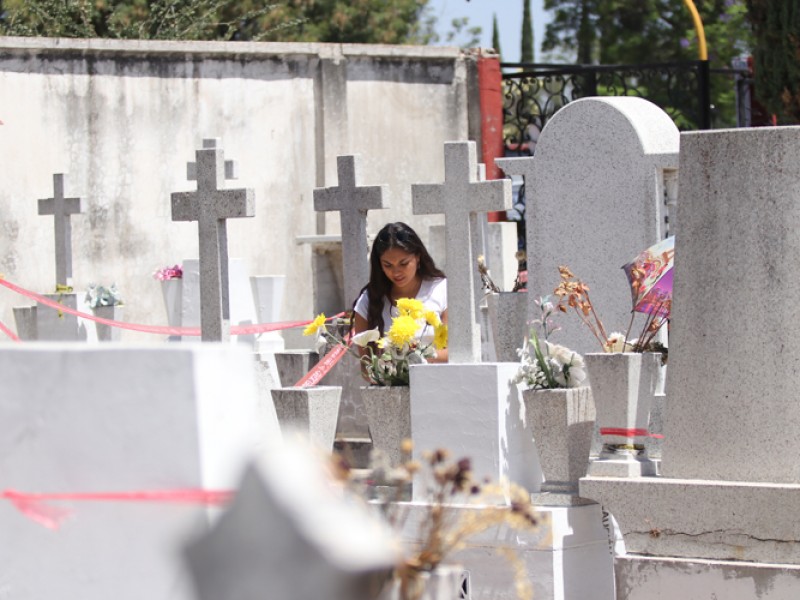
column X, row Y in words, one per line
column 91, row 419
column 474, row 410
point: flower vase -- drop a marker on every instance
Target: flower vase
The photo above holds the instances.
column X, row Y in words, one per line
column 507, row 318
column 172, row 291
column 389, row 418
column 562, row 420
column 313, row 411
column 445, row 582
column 108, row 333
column 623, row 385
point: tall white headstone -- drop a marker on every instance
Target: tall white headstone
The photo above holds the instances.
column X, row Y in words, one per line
column 594, row 193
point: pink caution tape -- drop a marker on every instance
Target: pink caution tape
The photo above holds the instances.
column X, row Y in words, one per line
column 629, row 432
column 35, row 507
column 158, row 329
column 8, row 332
column 315, row 375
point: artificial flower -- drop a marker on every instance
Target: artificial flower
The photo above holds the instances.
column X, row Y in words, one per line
column 366, row 337
column 440, row 336
column 403, row 330
column 432, row 319
column 411, row 307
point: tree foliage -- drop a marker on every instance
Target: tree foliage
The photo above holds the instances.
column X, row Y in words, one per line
column 776, row 25
column 526, row 50
column 343, row 21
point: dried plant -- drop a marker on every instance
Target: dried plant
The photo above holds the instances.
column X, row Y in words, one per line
column 520, row 282
column 446, row 527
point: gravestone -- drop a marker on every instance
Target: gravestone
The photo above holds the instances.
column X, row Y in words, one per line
column 594, row 193
column 458, row 198
column 62, row 208
column 352, row 202
column 292, row 533
column 82, row 419
column 730, row 483
column 211, row 206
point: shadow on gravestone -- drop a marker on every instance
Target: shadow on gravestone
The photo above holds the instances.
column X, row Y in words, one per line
column 291, row 533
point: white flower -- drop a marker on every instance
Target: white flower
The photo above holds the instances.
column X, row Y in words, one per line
column 616, row 343
column 366, row 337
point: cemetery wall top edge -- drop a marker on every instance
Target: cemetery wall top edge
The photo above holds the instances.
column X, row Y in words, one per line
column 231, row 49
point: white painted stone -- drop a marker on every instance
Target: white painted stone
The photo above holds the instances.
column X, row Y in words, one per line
column 474, row 411
column 80, row 419
column 460, row 197
column 594, row 201
column 211, row 205
column 291, row 533
column 567, row 557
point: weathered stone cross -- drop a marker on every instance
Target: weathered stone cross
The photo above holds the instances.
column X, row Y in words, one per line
column 210, row 206
column 61, row 208
column 352, row 201
column 461, row 196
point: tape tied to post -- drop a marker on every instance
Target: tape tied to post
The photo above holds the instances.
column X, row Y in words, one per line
column 621, row 432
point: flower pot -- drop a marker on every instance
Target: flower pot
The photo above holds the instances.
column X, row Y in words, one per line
column 107, row 333
column 507, row 317
column 172, row 291
column 389, row 417
column 623, row 385
column 562, row 420
column 313, row 411
column 445, row 582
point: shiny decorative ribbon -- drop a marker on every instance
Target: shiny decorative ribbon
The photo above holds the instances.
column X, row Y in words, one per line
column 629, row 432
column 35, row 507
column 158, row 329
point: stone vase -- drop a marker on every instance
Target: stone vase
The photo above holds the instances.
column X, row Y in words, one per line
column 107, row 333
column 172, row 292
column 445, row 582
column 312, row 411
column 563, row 425
column 507, row 318
column 623, row 385
column 389, row 417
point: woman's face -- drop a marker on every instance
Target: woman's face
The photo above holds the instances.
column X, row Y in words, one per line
column 399, row 266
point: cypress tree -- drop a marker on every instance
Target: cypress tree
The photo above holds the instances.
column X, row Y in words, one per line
column 496, row 37
column 526, row 56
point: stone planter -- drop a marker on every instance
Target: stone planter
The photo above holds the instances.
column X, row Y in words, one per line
column 389, row 417
column 312, row 411
column 623, row 386
column 446, row 582
column 563, row 425
column 507, row 317
column 107, row 333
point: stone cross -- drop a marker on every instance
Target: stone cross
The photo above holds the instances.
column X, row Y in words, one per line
column 61, row 208
column 460, row 196
column 210, row 206
column 352, row 201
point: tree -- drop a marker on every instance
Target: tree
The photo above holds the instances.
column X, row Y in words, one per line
column 352, row 21
column 776, row 25
column 526, row 54
column 496, row 36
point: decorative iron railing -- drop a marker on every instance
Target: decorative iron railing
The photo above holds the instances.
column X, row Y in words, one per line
column 534, row 93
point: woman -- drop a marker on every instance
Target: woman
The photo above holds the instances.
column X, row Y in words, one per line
column 400, row 267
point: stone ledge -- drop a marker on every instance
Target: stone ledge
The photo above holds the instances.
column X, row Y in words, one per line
column 718, row 520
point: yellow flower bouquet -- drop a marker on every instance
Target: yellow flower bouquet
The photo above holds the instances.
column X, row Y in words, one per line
column 414, row 336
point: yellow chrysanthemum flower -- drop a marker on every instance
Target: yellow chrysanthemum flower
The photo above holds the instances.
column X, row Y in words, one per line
column 440, row 336
column 403, row 330
column 314, row 326
column 411, row 307
column 432, row 319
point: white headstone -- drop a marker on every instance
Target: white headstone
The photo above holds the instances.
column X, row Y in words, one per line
column 460, row 196
column 352, row 202
column 81, row 419
column 291, row 533
column 594, row 193
column 210, row 206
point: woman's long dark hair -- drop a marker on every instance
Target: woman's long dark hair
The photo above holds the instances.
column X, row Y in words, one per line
column 393, row 235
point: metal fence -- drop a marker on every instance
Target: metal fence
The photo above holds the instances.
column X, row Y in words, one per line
column 534, row 93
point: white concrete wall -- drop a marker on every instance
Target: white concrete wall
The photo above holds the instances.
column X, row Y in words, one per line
column 123, row 118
